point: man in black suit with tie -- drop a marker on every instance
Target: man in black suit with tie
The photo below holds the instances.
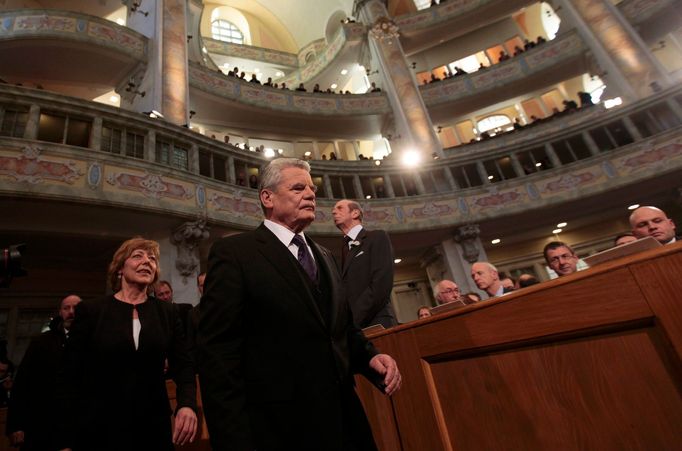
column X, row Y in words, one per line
column 276, row 344
column 366, row 267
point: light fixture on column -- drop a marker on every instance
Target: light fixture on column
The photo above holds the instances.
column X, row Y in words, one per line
column 440, row 128
column 192, row 113
column 189, row 38
column 132, row 88
column 135, row 8
column 414, row 65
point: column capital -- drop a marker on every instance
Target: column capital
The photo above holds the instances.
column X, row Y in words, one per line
column 384, row 29
column 467, row 237
column 186, row 238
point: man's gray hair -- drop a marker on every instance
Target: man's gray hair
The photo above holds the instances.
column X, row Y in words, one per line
column 489, row 265
column 272, row 174
column 352, row 206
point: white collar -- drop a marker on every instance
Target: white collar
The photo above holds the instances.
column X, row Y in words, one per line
column 281, row 232
column 354, row 232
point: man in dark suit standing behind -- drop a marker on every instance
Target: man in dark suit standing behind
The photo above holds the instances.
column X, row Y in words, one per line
column 276, row 344
column 366, row 267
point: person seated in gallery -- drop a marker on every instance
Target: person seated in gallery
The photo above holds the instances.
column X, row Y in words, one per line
column 316, row 88
column 301, row 88
column 482, row 66
column 624, row 238
column 503, row 56
column 254, row 79
column 487, row 278
column 517, row 50
column 526, row 280
column 269, row 82
column 284, row 86
column 585, row 99
column 540, row 40
column 508, row 283
column 561, row 258
column 517, row 124
column 423, row 312
column 527, row 45
column 434, row 78
column 570, row 105
column 332, row 156
column 446, row 291
column 374, row 88
column 653, row 222
column 253, row 181
column 459, row 71
column 234, row 72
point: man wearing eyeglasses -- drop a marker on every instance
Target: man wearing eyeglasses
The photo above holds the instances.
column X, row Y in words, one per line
column 446, row 291
column 561, row 258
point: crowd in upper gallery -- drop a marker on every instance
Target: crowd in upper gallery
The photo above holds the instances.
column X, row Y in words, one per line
column 650, row 227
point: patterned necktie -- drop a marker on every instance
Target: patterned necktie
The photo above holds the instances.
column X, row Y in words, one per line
column 304, row 257
column 344, row 250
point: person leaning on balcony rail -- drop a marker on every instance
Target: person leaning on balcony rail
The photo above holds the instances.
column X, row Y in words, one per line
column 653, row 222
column 561, row 258
column 112, row 387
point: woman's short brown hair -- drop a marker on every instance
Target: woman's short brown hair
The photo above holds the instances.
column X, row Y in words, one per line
column 126, row 250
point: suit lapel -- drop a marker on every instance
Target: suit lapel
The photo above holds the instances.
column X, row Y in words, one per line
column 284, row 262
column 355, row 250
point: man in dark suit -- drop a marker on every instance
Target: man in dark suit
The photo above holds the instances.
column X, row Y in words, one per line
column 653, row 222
column 276, row 344
column 32, row 413
column 366, row 267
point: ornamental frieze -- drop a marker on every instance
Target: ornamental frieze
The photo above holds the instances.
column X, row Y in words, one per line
column 151, row 185
column 30, row 167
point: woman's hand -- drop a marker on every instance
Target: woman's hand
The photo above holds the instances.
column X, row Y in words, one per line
column 185, row 426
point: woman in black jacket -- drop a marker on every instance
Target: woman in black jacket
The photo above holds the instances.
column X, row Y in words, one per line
column 113, row 377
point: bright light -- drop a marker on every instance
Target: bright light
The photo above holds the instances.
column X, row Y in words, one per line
column 334, row 86
column 633, row 207
column 369, row 196
column 344, row 72
column 280, row 151
column 610, row 103
column 490, row 177
column 496, row 241
column 269, row 153
column 377, row 162
column 203, row 49
column 113, row 99
column 537, row 165
column 562, row 224
column 555, row 231
column 155, row 114
column 120, row 21
column 279, row 73
column 308, row 153
column 397, row 260
column 411, row 158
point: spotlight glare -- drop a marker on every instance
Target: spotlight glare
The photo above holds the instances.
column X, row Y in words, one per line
column 496, row 241
column 490, row 177
column 377, row 162
column 269, row 153
column 369, row 196
column 397, row 260
column 344, row 72
column 561, row 225
column 334, row 86
column 411, row 158
column 307, row 154
column 537, row 165
column 556, row 231
column 633, row 207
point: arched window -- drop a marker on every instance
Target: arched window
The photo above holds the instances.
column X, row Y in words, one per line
column 493, row 122
column 224, row 30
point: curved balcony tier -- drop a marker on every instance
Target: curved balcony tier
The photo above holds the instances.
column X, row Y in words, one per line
column 222, row 100
column 429, row 27
column 164, row 177
column 545, row 65
column 65, row 51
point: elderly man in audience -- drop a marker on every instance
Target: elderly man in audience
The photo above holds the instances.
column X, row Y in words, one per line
column 446, row 291
column 561, row 258
column 653, row 222
column 486, row 278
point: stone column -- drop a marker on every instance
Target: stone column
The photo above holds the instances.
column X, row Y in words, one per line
column 175, row 67
column 620, row 52
column 327, row 186
column 181, row 263
column 32, row 123
column 358, row 187
column 452, row 259
column 96, row 135
column 412, row 120
column 388, row 186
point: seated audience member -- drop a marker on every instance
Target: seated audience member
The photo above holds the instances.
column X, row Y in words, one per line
column 332, row 156
column 486, row 278
column 503, row 56
column 253, row 181
column 374, row 88
column 561, row 258
column 423, row 312
column 624, row 238
column 446, row 291
column 527, row 45
column 316, row 88
column 526, row 280
column 301, row 88
column 242, row 75
column 269, row 82
column 653, row 222
column 517, row 50
column 585, row 99
column 508, row 283
column 540, row 40
column 471, row 298
column 460, row 71
column 163, row 291
column 254, row 79
column 284, row 86
column 234, row 72
column 434, row 78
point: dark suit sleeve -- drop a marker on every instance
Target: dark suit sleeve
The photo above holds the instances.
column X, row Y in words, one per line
column 181, row 365
column 220, row 338
column 17, row 413
column 378, row 292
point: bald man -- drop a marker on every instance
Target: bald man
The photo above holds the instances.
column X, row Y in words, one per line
column 487, row 278
column 653, row 222
column 446, row 291
column 31, row 421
